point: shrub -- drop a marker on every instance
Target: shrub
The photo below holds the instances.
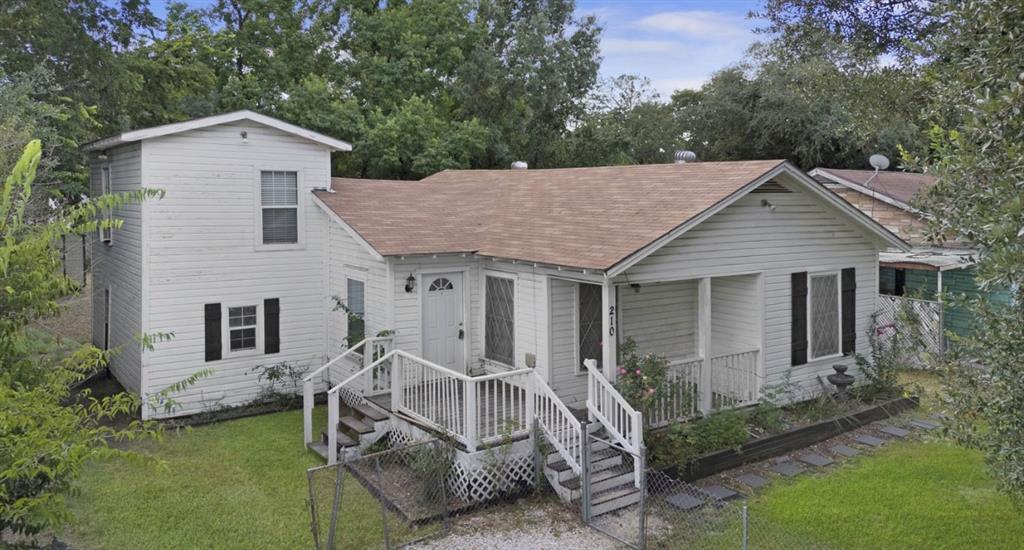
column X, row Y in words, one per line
column 642, row 379
column 680, row 443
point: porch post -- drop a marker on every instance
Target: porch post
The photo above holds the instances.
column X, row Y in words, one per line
column 609, row 329
column 704, row 343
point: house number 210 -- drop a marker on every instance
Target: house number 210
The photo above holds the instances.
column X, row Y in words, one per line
column 611, row 320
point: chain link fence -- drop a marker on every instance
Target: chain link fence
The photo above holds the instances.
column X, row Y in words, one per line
column 408, row 493
column 660, row 511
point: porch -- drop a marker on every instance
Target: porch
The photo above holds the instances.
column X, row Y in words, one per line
column 710, row 330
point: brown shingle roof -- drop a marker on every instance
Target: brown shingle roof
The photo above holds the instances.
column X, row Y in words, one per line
column 901, row 186
column 589, row 218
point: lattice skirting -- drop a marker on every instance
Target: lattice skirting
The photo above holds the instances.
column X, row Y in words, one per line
column 489, row 474
column 482, row 475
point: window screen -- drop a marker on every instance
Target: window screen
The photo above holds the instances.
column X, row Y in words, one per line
column 499, row 322
column 589, row 324
column 242, row 327
column 279, row 197
column 824, row 315
column 357, row 312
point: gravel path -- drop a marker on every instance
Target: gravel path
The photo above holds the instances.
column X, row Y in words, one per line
column 533, row 524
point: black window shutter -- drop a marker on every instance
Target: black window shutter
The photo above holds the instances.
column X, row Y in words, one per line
column 271, row 325
column 849, row 310
column 798, row 331
column 213, row 345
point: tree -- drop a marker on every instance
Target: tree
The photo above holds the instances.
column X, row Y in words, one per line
column 45, row 435
column 979, row 165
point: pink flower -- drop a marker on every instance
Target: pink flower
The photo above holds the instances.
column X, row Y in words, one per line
column 638, row 372
column 650, row 391
column 622, row 370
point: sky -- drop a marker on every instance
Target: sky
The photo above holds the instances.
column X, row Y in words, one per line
column 675, row 43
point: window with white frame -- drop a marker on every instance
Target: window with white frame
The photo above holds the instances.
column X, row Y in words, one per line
column 356, row 311
column 499, row 319
column 279, row 199
column 106, row 229
column 242, row 328
column 588, row 324
column 824, row 313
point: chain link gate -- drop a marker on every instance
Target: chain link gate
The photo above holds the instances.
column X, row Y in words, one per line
column 389, row 499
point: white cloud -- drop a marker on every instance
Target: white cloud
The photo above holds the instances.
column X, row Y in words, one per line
column 613, row 46
column 697, row 24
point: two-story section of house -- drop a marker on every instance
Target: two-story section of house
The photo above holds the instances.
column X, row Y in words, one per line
column 229, row 262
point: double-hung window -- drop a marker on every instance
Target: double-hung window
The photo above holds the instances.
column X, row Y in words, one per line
column 824, row 313
column 499, row 319
column 589, row 324
column 356, row 311
column 279, row 200
column 107, row 221
column 242, row 328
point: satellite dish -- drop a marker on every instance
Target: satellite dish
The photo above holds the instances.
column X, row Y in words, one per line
column 879, row 162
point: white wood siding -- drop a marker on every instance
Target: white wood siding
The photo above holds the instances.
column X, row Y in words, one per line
column 202, row 248
column 348, row 259
column 565, row 378
column 118, row 266
column 801, row 234
column 735, row 314
column 661, row 318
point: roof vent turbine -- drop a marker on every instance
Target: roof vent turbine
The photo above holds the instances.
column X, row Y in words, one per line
column 682, row 157
column 519, row 165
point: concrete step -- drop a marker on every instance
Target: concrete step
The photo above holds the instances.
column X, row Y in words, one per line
column 319, row 448
column 614, row 499
column 354, row 426
column 370, row 412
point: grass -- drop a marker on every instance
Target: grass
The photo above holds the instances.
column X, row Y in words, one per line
column 911, row 495
column 237, row 484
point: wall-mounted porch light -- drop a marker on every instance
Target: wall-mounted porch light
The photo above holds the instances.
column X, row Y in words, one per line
column 410, row 282
column 245, row 137
column 767, row 204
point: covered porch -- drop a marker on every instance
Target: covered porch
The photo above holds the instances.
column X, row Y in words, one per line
column 710, row 329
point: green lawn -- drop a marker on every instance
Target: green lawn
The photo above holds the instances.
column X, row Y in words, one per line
column 910, row 495
column 237, row 484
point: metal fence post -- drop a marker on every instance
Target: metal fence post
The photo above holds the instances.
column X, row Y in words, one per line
column 642, row 461
column 746, row 524
column 585, row 473
column 335, row 506
column 383, row 507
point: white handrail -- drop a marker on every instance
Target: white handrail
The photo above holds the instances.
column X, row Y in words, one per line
column 558, row 423
column 619, row 418
column 309, row 386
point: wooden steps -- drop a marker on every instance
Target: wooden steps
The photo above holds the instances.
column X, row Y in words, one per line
column 351, row 428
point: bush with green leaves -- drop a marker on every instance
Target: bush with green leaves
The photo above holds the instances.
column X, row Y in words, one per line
column 46, row 432
column 641, row 379
column 680, row 443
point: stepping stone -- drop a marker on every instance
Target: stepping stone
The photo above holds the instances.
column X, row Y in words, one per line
column 788, row 469
column 684, row 501
column 814, row 459
column 924, row 424
column 869, row 440
column 752, row 480
column 895, row 432
column 844, row 450
column 720, row 492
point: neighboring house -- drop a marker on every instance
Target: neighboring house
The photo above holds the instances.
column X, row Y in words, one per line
column 927, row 269
column 473, row 298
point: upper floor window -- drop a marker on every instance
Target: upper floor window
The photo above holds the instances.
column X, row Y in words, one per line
column 280, row 207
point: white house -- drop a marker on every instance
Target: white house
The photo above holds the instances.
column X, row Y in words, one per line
column 488, row 288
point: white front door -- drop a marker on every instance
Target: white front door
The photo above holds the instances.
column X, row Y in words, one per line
column 444, row 331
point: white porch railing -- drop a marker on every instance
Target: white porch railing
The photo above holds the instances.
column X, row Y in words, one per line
column 734, row 379
column 559, row 425
column 345, row 364
column 682, row 400
column 624, row 423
